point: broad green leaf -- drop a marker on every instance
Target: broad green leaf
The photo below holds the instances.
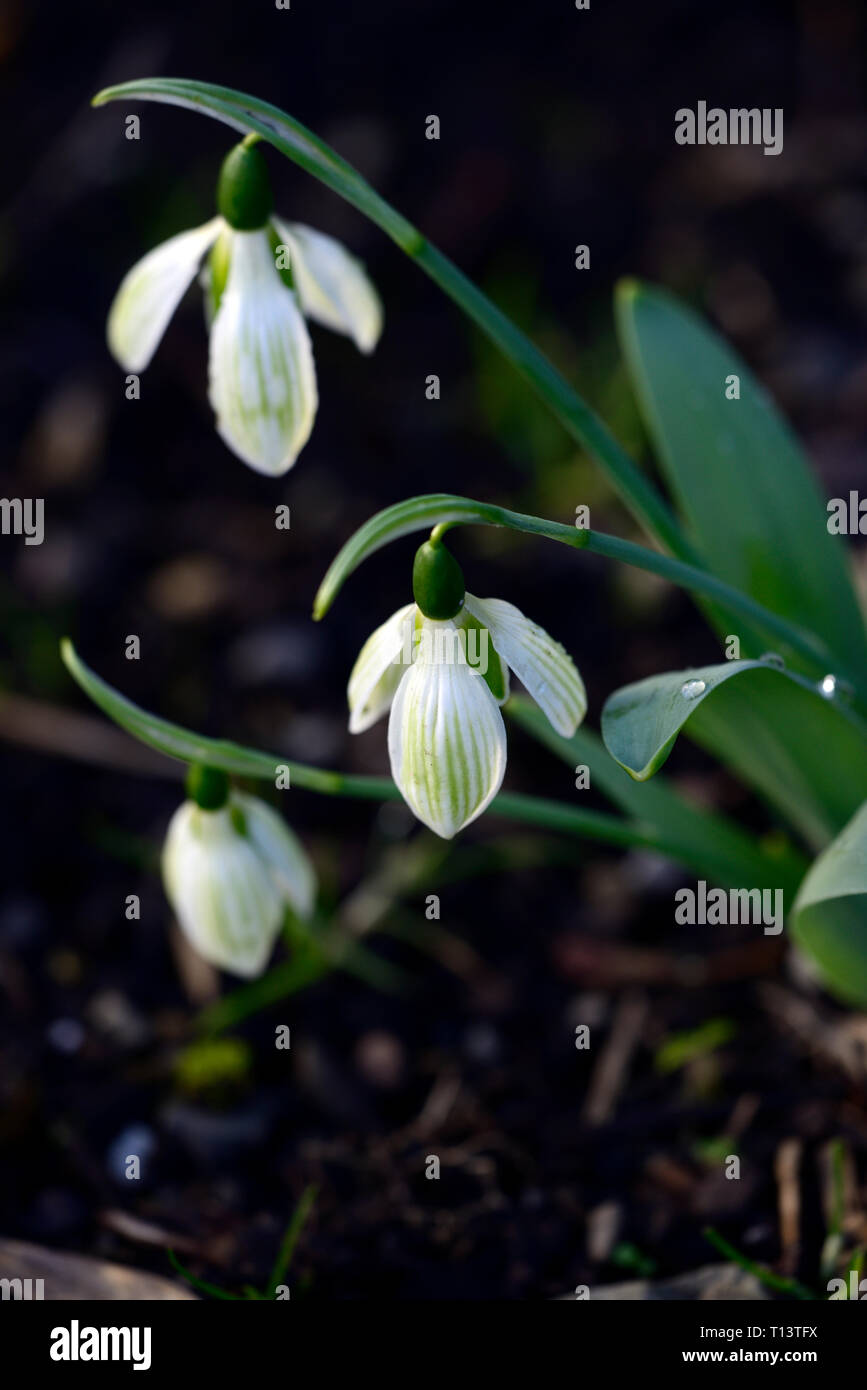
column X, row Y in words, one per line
column 709, row 844
column 830, row 919
column 811, row 762
column 746, row 491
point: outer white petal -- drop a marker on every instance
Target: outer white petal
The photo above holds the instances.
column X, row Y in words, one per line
column 150, row 293
column 378, row 669
column 446, row 741
column 281, row 850
column 545, row 668
column 332, row 285
column 225, row 900
column 262, row 378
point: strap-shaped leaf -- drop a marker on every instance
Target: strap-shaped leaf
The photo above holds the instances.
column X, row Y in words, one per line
column 739, row 476
column 446, row 509
column 183, row 744
column 812, row 758
column 189, row 747
column 830, row 917
column 251, row 116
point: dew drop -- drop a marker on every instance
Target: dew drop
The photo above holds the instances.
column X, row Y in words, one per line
column 690, row 690
column 834, row 687
column 773, row 659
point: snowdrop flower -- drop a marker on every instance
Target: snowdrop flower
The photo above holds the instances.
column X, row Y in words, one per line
column 441, row 664
column 231, row 867
column 262, row 277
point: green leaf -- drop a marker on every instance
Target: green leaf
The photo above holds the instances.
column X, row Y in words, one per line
column 708, row 843
column 177, row 742
column 830, row 918
column 813, row 761
column 442, row 510
column 739, row 476
column 777, row 1282
column 290, row 1240
column 421, row 514
column 190, row 747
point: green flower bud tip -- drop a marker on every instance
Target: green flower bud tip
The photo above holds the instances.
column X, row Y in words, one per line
column 437, row 581
column 244, row 189
column 207, row 786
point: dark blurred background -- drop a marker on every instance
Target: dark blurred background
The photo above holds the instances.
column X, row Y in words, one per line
column 556, row 129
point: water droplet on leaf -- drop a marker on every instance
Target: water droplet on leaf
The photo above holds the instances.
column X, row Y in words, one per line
column 690, row 690
column 773, row 659
column 834, row 687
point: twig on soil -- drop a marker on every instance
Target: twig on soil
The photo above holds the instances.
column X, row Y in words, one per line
column 841, row 1042
column 611, row 1070
column 787, row 1168
column 48, row 728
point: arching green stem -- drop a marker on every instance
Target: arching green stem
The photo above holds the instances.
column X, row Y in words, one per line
column 441, row 509
column 188, row 747
column 248, row 114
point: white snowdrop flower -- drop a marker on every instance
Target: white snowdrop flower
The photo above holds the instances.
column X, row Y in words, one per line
column 441, row 665
column 231, row 867
column 263, row 276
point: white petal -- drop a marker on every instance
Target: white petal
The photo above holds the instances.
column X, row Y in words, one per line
column 446, row 741
column 262, row 378
column 150, row 293
column 545, row 668
column 378, row 669
column 281, row 851
column 223, row 896
column 332, row 285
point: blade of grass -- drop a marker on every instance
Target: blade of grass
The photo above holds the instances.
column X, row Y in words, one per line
column 300, row 1217
column 200, row 1284
column 761, row 1272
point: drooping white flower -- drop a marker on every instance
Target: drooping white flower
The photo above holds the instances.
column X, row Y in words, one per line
column 441, row 665
column 230, row 870
column 263, row 277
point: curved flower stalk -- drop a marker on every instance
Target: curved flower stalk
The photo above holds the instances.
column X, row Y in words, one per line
column 441, row 665
column 732, row 857
column 231, row 868
column 262, row 278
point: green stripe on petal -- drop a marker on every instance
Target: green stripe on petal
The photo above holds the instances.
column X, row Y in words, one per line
column 150, row 293
column 544, row 667
column 262, row 377
column 225, row 901
column 378, row 669
column 280, row 851
column 333, row 287
column 446, row 740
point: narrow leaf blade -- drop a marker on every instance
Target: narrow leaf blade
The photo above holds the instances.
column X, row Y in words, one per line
column 178, row 742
